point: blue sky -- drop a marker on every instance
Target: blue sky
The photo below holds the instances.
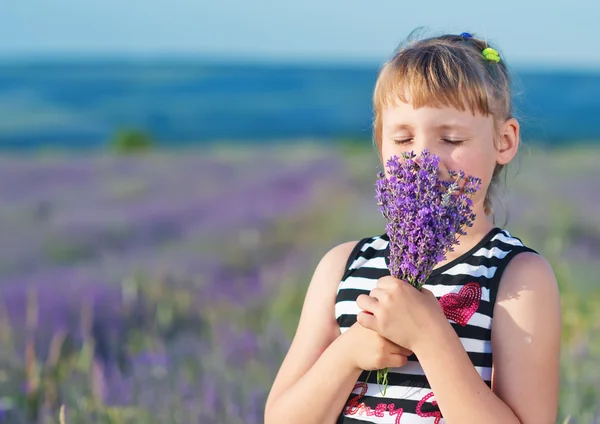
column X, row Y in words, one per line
column 530, row 33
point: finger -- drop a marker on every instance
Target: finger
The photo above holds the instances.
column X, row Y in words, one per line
column 403, row 351
column 367, row 320
column 398, row 361
column 377, row 293
column 367, row 303
column 389, row 282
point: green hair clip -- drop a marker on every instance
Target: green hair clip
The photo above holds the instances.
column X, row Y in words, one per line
column 491, row 54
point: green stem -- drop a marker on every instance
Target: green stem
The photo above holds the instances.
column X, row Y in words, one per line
column 382, row 379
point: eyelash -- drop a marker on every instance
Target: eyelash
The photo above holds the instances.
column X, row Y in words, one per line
column 453, row 142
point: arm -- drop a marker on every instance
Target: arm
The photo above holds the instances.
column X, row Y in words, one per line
column 314, row 382
column 526, row 338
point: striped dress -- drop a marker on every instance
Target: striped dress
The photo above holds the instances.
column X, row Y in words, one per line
column 466, row 287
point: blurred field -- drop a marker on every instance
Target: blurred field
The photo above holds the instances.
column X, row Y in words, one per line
column 165, row 287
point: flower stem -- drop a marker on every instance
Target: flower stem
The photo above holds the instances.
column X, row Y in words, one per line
column 382, row 379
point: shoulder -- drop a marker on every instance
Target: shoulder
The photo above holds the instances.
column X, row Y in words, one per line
column 339, row 255
column 332, row 266
column 339, row 261
column 345, row 253
column 515, row 261
column 527, row 271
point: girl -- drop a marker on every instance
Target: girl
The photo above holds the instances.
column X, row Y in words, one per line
column 450, row 95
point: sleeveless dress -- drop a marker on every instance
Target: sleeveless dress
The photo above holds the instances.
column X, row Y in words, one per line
column 466, row 287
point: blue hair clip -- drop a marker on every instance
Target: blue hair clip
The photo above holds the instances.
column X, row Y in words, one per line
column 466, row 35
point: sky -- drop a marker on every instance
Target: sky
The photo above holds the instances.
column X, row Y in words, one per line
column 529, row 33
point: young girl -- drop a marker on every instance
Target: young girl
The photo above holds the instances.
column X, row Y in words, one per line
column 486, row 327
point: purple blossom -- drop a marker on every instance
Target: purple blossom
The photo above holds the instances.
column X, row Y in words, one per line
column 425, row 215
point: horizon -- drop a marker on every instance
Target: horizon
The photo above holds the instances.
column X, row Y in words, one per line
column 220, row 60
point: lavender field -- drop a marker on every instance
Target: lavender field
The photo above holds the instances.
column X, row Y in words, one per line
column 166, row 287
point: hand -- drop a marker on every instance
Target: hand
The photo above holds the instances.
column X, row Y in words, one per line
column 369, row 351
column 399, row 312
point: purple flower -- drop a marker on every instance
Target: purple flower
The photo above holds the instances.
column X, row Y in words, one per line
column 424, row 216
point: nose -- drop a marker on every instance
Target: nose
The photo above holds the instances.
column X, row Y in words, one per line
column 422, row 144
column 420, row 147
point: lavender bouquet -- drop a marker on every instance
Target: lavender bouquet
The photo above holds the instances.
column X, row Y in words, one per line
column 425, row 216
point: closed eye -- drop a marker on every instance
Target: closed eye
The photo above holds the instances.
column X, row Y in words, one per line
column 445, row 140
column 450, row 141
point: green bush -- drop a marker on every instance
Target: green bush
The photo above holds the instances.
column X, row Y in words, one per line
column 129, row 141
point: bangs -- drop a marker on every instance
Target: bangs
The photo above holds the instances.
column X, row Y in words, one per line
column 435, row 77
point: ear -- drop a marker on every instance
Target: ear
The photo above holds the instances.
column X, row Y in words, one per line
column 508, row 142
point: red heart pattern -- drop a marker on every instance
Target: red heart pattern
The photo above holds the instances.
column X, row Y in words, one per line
column 460, row 307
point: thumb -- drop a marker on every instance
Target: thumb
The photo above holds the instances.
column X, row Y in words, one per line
column 398, row 361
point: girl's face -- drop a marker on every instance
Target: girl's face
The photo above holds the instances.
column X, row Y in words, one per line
column 461, row 140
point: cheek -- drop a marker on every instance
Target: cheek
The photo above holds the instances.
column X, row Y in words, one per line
column 474, row 162
column 386, row 151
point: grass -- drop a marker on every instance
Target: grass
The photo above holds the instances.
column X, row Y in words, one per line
column 203, row 345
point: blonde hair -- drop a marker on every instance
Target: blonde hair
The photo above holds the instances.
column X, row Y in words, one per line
column 446, row 71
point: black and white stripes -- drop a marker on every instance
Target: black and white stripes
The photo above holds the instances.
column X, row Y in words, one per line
column 408, row 388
